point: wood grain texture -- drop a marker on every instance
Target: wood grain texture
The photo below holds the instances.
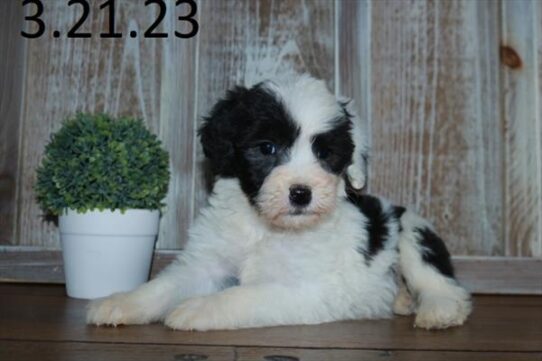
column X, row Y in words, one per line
column 448, row 91
column 243, row 42
column 481, row 275
column 498, row 324
column 79, row 351
column 522, row 125
column 538, row 252
column 277, row 354
column 353, row 58
column 178, row 123
column 500, row 275
column 117, row 76
column 435, row 117
column 12, row 62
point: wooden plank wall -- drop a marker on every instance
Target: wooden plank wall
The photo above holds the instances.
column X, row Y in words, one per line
column 435, row 125
column 449, row 92
column 118, row 76
column 523, row 131
column 11, row 83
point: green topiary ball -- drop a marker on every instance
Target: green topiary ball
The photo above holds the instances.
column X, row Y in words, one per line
column 96, row 162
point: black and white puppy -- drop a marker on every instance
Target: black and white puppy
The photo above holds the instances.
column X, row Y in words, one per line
column 287, row 238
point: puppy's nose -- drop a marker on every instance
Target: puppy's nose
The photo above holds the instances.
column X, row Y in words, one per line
column 300, row 195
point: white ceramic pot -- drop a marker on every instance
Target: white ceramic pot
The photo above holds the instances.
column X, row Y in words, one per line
column 107, row 251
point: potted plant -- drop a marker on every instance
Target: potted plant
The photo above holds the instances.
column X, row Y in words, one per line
column 105, row 178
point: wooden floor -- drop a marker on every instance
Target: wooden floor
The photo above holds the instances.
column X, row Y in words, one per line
column 37, row 322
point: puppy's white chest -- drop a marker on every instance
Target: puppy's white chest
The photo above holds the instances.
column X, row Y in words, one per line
column 293, row 258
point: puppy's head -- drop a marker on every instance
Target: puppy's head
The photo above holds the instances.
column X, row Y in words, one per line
column 292, row 146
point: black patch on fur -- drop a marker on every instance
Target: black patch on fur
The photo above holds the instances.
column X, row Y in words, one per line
column 397, row 214
column 334, row 148
column 434, row 251
column 236, row 127
column 364, row 156
column 377, row 222
column 398, row 211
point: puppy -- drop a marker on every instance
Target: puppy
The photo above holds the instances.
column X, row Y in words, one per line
column 287, row 237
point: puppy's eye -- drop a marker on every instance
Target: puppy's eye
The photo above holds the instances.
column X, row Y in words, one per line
column 268, row 148
column 323, row 153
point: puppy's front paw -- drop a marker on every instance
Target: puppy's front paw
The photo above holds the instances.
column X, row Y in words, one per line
column 117, row 309
column 442, row 312
column 199, row 313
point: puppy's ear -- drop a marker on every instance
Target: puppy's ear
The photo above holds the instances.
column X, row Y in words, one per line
column 356, row 173
column 218, row 132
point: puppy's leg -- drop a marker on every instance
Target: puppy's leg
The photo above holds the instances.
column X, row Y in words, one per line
column 403, row 304
column 251, row 306
column 189, row 276
column 426, row 266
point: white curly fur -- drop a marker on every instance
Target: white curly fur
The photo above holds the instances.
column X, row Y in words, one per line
column 291, row 270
